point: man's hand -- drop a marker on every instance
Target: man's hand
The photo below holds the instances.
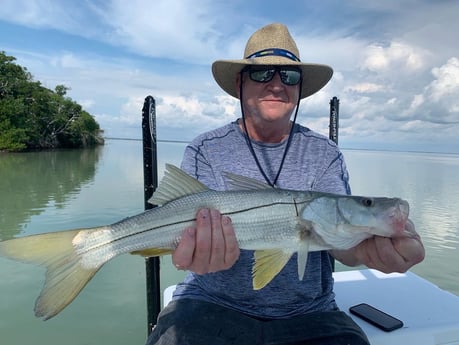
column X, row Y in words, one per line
column 209, row 246
column 386, row 254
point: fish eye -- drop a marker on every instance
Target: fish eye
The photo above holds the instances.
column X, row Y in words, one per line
column 368, row 202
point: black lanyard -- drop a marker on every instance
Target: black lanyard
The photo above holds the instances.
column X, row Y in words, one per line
column 250, row 145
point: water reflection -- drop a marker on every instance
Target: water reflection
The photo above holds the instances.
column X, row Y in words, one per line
column 29, row 182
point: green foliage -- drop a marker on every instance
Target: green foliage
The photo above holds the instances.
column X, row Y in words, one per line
column 11, row 138
column 34, row 117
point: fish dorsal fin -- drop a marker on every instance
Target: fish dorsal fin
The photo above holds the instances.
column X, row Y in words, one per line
column 175, row 184
column 238, row 182
column 268, row 263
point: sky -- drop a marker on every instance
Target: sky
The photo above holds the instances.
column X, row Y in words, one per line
column 396, row 63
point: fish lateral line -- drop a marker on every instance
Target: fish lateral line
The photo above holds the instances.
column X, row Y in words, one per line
column 126, row 236
column 278, row 203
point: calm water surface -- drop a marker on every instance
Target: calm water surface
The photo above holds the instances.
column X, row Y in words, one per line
column 50, row 191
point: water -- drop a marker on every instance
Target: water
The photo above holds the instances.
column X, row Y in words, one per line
column 49, row 191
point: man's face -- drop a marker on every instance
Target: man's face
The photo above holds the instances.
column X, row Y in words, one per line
column 268, row 101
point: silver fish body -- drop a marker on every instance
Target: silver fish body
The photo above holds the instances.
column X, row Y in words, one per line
column 275, row 223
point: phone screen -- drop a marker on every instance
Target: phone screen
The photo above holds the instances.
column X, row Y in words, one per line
column 376, row 317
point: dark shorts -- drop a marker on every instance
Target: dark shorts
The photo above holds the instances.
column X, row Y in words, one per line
column 195, row 322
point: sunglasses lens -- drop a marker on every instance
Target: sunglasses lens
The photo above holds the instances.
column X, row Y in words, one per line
column 289, row 76
column 262, row 75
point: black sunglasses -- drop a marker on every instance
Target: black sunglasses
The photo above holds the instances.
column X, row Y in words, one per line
column 263, row 74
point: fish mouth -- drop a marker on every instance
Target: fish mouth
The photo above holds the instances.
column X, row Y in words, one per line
column 398, row 216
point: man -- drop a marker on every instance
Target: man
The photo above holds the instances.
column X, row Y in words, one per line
column 216, row 303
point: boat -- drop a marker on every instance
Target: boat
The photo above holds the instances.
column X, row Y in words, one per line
column 430, row 315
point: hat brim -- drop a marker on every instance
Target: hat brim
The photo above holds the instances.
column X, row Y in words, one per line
column 315, row 76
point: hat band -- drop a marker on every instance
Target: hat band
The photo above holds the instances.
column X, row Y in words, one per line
column 274, row 52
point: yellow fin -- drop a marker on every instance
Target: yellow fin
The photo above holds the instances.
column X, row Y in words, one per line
column 175, row 184
column 268, row 263
column 65, row 274
column 152, row 252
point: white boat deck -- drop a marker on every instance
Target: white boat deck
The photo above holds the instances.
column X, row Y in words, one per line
column 430, row 315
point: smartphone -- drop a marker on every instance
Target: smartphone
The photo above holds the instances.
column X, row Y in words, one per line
column 376, row 317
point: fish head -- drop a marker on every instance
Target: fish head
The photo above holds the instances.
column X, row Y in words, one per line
column 380, row 216
column 341, row 222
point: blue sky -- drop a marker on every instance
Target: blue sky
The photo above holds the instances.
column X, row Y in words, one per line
column 396, row 67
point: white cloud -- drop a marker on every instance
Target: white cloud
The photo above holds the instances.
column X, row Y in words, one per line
column 178, row 30
column 397, row 56
column 418, row 101
column 68, row 60
column 68, row 16
column 438, row 101
column 446, row 83
column 86, row 103
column 189, row 111
column 130, row 111
column 340, row 52
column 365, row 88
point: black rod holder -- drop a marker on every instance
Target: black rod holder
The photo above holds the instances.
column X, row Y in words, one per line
column 150, row 180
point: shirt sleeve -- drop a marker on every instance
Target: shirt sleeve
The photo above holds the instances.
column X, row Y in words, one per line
column 196, row 164
column 335, row 177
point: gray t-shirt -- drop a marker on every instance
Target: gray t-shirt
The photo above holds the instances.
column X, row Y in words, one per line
column 313, row 162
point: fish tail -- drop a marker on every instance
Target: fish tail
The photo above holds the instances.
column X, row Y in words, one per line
column 66, row 275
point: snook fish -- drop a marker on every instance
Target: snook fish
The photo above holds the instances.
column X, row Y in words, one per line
column 276, row 223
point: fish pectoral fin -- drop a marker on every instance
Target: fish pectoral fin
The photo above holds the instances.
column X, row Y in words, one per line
column 268, row 263
column 175, row 184
column 152, row 252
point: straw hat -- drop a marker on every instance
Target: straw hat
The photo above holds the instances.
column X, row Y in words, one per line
column 271, row 45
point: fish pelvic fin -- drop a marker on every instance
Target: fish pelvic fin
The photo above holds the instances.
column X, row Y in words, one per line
column 65, row 274
column 305, row 229
column 302, row 257
column 153, row 252
column 175, row 184
column 268, row 263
